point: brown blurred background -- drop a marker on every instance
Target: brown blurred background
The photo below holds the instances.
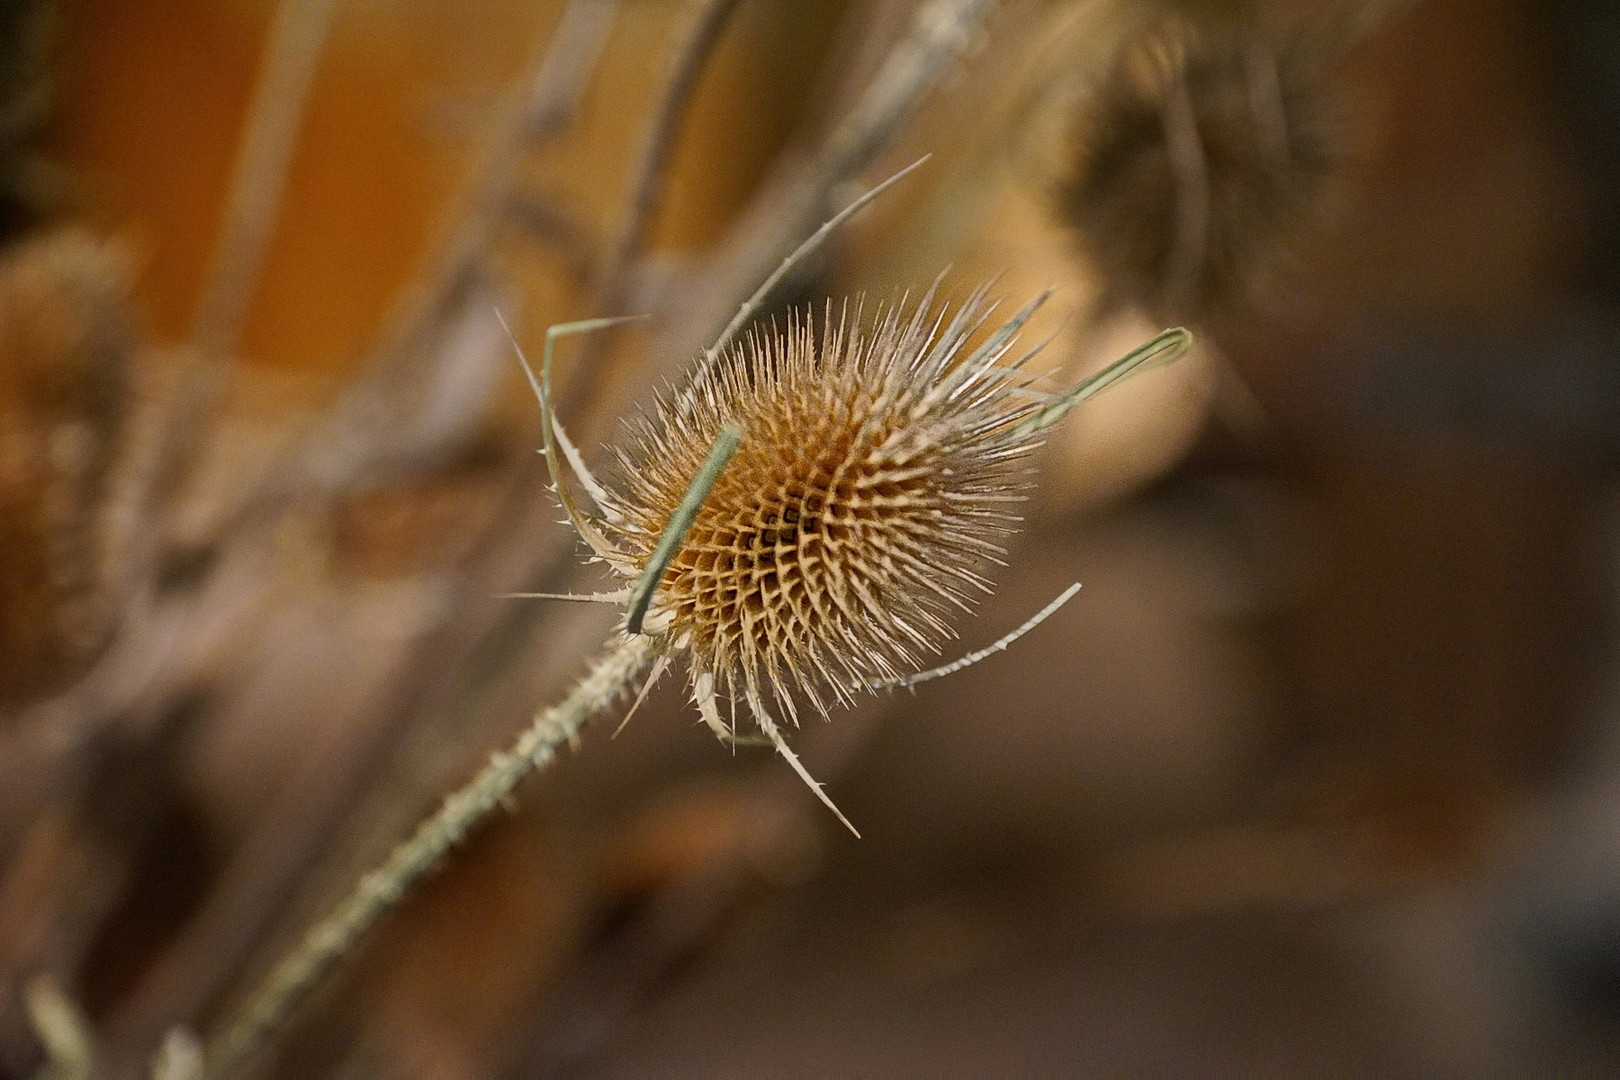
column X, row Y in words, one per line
column 1319, row 775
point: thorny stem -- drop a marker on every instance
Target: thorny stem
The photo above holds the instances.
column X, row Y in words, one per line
column 268, row 1007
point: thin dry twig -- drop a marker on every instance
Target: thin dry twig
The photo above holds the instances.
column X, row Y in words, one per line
column 658, row 148
column 795, row 201
column 291, row 55
column 563, row 64
column 612, row 291
column 559, row 82
column 369, row 423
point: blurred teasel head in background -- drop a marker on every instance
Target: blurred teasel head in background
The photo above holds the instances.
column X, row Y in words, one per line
column 1198, row 161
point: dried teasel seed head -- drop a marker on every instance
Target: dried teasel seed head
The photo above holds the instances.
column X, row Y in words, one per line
column 65, row 345
column 804, row 516
column 1197, row 162
column 877, row 477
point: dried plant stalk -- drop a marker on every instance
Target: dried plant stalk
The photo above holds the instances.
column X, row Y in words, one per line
column 275, row 116
column 385, row 886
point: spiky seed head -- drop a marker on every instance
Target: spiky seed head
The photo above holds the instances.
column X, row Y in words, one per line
column 874, row 485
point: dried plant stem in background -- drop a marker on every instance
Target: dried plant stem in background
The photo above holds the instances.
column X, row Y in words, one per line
column 796, row 198
column 647, row 180
column 613, row 277
column 374, row 421
column 253, row 890
column 62, row 1029
column 383, row 888
column 292, row 53
column 562, row 65
column 275, row 116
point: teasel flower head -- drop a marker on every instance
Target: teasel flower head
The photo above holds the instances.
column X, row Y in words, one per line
column 870, row 495
column 804, row 518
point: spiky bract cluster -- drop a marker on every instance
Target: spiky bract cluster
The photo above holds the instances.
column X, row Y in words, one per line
column 872, row 488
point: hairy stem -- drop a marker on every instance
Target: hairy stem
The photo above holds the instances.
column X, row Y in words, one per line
column 378, row 892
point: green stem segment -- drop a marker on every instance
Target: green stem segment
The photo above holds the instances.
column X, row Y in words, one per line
column 725, row 444
column 382, row 889
column 1168, row 347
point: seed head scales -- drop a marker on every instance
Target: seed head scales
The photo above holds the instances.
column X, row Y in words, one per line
column 871, row 492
